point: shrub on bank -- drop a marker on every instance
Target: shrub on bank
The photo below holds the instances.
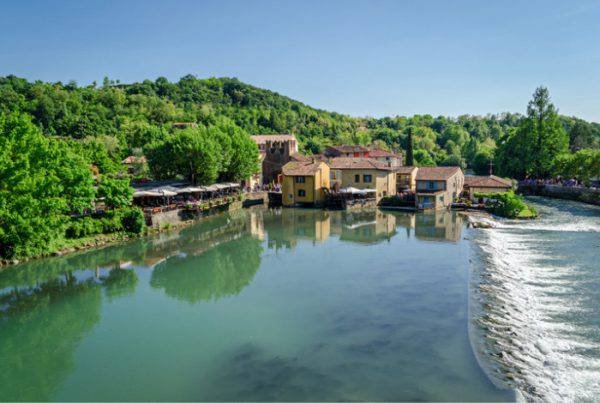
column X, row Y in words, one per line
column 132, row 220
column 128, row 219
column 508, row 205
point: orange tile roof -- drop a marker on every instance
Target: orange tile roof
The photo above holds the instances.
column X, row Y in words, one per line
column 490, row 181
column 382, row 153
column 345, row 148
column 301, row 168
column 436, row 173
column 356, row 163
column 406, row 169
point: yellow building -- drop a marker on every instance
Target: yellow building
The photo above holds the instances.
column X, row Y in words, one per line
column 304, row 183
column 406, row 178
column 363, row 173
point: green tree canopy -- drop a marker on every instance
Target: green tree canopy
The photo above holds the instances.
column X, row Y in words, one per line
column 42, row 181
column 192, row 153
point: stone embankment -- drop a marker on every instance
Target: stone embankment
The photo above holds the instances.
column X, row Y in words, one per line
column 581, row 194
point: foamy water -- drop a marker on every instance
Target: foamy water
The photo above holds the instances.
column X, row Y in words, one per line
column 536, row 297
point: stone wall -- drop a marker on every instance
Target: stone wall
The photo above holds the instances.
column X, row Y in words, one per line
column 584, row 195
column 179, row 217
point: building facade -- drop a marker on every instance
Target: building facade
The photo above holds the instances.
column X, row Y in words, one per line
column 363, row 174
column 304, row 183
column 437, row 187
column 347, row 151
column 393, row 160
column 276, row 151
column 406, row 178
column 485, row 184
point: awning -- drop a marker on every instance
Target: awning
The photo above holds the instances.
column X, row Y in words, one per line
column 352, row 190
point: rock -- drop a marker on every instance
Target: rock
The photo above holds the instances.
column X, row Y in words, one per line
column 481, row 224
column 57, row 253
column 15, row 261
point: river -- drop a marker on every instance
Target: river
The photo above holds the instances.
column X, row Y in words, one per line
column 300, row 304
column 536, row 300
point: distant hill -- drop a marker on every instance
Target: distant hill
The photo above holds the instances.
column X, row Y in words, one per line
column 134, row 113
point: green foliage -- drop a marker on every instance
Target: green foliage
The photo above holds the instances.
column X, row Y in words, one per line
column 194, row 153
column 583, row 165
column 132, row 220
column 533, row 147
column 116, row 192
column 136, row 115
column 83, row 227
column 423, row 159
column 481, row 162
column 42, row 181
column 508, row 205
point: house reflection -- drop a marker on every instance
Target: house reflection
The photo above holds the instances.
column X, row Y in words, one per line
column 366, row 227
column 440, row 225
column 286, row 226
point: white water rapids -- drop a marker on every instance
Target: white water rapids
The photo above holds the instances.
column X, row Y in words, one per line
column 536, row 287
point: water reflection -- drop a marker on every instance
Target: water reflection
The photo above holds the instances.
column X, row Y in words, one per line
column 40, row 327
column 47, row 307
column 370, row 226
column 217, row 273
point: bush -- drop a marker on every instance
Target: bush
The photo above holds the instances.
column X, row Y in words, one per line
column 132, row 220
column 508, row 205
column 111, row 222
column 82, row 227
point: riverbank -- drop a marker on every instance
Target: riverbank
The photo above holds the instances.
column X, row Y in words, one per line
column 580, row 194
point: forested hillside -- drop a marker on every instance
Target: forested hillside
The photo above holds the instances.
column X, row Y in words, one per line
column 124, row 118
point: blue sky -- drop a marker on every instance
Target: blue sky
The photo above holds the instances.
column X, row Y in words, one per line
column 363, row 58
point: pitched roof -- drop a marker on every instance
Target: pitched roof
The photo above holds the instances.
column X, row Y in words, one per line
column 300, row 157
column 355, row 163
column 436, row 173
column 301, row 168
column 383, row 153
column 263, row 138
column 406, row 169
column 345, row 148
column 490, row 181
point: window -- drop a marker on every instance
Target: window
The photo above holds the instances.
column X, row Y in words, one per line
column 300, row 179
column 430, row 185
column 356, row 178
column 367, row 178
column 301, row 193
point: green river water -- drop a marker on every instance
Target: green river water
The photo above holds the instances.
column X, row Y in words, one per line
column 291, row 304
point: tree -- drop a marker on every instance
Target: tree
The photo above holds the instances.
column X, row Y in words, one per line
column 410, row 160
column 580, row 136
column 192, row 153
column 482, row 161
column 583, row 165
column 423, row 158
column 543, row 128
column 244, row 157
column 42, row 181
column 116, row 192
column 532, row 148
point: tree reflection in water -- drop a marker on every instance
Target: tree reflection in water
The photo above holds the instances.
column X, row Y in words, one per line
column 219, row 272
column 40, row 327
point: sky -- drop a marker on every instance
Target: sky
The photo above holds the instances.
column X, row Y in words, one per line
column 362, row 58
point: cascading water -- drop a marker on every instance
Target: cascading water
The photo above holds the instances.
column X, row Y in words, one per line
column 536, row 302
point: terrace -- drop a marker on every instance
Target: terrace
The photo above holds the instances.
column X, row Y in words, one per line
column 156, row 198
